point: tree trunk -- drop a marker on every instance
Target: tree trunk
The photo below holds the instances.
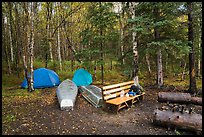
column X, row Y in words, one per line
column 120, row 6
column 28, row 34
column 192, row 122
column 25, row 68
column 159, row 69
column 70, row 46
column 159, row 81
column 11, row 31
column 49, row 16
column 58, row 40
column 135, row 43
column 148, row 63
column 11, row 43
column 5, row 44
column 184, row 98
column 122, row 45
column 184, row 67
column 102, row 56
column 192, row 87
column 72, row 62
column 59, row 50
column 111, row 63
column 135, row 50
column 166, row 62
column 94, row 75
column 199, row 55
column 199, row 62
column 18, row 40
column 32, row 35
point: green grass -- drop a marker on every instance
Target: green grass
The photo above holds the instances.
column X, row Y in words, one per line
column 64, row 74
column 19, row 92
column 11, row 83
column 184, row 83
column 8, row 118
column 11, row 80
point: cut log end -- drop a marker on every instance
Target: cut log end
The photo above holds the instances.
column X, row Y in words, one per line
column 185, row 121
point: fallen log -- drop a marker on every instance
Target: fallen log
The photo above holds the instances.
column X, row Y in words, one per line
column 196, row 100
column 185, row 121
column 173, row 97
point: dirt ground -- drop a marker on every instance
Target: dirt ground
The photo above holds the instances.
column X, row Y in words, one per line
column 42, row 116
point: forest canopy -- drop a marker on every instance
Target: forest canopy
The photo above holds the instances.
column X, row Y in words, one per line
column 134, row 38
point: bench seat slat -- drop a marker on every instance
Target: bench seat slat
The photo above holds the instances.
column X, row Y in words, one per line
column 115, row 90
column 117, row 85
column 108, row 96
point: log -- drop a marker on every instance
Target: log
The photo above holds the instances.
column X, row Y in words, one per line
column 196, row 100
column 173, row 97
column 185, row 121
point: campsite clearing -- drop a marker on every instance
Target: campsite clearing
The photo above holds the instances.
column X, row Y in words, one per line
column 42, row 116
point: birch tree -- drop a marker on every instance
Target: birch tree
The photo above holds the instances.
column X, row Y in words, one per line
column 32, row 35
column 49, row 33
column 26, row 44
column 159, row 54
column 135, row 46
column 4, row 38
column 148, row 63
column 120, row 7
column 58, row 37
column 11, row 31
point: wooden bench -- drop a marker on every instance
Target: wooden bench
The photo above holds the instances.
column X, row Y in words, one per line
column 112, row 100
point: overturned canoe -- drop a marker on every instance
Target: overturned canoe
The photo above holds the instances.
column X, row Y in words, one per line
column 66, row 94
column 92, row 94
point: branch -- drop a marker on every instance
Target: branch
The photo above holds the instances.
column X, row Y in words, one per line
column 70, row 45
column 122, row 57
column 64, row 20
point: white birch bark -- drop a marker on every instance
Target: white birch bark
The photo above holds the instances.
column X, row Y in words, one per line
column 134, row 41
column 28, row 33
column 11, row 44
column 183, row 72
column 159, row 69
column 4, row 19
column 25, row 68
column 148, row 63
column 199, row 60
column 10, row 31
column 121, row 30
column 49, row 34
column 32, row 43
column 58, row 39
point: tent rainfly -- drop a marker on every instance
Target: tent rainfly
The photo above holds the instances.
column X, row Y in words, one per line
column 43, row 78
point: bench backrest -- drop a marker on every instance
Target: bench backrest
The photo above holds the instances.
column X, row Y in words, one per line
column 112, row 91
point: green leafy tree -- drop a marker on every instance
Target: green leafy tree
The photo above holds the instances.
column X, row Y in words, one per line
column 155, row 26
column 98, row 33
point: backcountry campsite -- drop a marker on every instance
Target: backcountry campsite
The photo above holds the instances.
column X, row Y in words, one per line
column 101, row 68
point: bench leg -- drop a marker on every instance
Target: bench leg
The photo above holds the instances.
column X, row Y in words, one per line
column 141, row 97
column 112, row 108
column 116, row 108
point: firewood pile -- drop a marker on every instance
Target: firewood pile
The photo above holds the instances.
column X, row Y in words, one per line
column 178, row 112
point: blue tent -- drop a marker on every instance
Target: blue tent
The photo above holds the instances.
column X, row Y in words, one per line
column 43, row 78
column 82, row 77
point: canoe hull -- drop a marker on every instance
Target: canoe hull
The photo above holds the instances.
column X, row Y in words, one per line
column 92, row 94
column 66, row 94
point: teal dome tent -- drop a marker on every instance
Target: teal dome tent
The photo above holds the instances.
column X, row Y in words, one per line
column 82, row 77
